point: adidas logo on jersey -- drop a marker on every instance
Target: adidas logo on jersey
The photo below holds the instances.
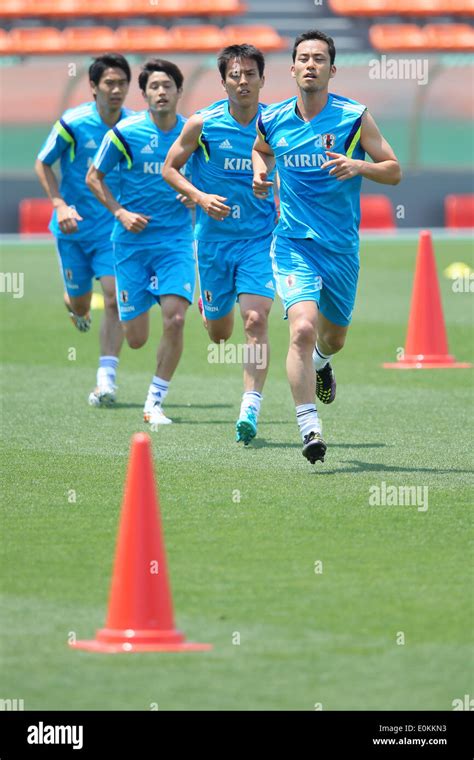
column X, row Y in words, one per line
column 147, row 149
column 282, row 143
column 91, row 144
column 270, row 285
column 226, row 144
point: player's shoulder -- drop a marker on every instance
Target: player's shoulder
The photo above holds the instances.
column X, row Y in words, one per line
column 346, row 104
column 132, row 121
column 273, row 111
column 79, row 114
column 213, row 111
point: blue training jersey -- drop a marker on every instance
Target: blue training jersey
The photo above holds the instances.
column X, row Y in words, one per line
column 223, row 165
column 74, row 140
column 140, row 148
column 314, row 204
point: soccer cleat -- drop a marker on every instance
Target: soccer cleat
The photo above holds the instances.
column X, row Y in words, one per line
column 326, row 384
column 314, row 447
column 156, row 415
column 246, row 426
column 103, row 394
column 201, row 311
column 83, row 324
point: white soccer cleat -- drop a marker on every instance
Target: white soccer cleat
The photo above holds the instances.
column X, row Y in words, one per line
column 103, row 394
column 154, row 414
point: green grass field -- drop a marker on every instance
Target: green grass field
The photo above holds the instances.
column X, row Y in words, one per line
column 248, row 567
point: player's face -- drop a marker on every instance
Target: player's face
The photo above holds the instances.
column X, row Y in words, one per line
column 243, row 82
column 161, row 93
column 112, row 89
column 312, row 67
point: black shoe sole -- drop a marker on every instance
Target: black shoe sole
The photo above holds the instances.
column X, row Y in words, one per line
column 315, row 451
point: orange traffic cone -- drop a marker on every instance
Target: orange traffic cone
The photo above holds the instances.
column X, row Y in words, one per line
column 140, row 616
column 426, row 342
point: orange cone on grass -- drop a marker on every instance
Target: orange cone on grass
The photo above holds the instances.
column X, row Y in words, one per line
column 140, row 616
column 426, row 344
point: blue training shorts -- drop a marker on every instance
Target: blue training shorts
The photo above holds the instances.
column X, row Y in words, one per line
column 229, row 268
column 305, row 271
column 145, row 274
column 82, row 260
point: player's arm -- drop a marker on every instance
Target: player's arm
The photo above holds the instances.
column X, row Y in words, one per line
column 67, row 216
column 263, row 162
column 179, row 153
column 385, row 167
column 106, row 158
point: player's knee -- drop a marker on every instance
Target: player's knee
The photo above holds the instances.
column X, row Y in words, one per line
column 304, row 333
column 174, row 323
column 334, row 342
column 255, row 322
column 219, row 333
column 136, row 340
column 110, row 303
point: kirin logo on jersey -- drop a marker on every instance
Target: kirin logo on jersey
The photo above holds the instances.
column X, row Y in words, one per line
column 329, row 141
column 208, row 296
column 124, row 296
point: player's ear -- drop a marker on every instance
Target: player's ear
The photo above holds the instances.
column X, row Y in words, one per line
column 180, row 92
column 93, row 87
column 224, row 85
column 262, row 81
column 333, row 72
column 292, row 70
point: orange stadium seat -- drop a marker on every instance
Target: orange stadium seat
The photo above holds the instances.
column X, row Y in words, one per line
column 88, row 39
column 13, row 8
column 4, row 42
column 214, row 7
column 385, row 37
column 449, row 37
column 142, row 39
column 459, row 211
column 402, row 7
column 34, row 216
column 202, row 38
column 37, row 41
column 264, row 37
column 376, row 213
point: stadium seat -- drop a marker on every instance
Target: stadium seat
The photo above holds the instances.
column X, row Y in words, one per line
column 197, row 39
column 376, row 213
column 449, row 37
column 402, row 7
column 214, row 7
column 35, row 41
column 263, row 37
column 34, row 216
column 400, row 37
column 88, row 39
column 142, row 39
column 119, row 8
column 459, row 211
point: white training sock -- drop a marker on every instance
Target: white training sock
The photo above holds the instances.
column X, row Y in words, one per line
column 319, row 359
column 158, row 389
column 253, row 399
column 307, row 419
column 107, row 368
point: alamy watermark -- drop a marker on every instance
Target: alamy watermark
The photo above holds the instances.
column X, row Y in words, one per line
column 399, row 68
column 12, row 282
column 240, row 353
column 398, row 496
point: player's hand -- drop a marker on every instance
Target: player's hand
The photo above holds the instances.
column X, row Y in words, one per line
column 131, row 221
column 261, row 185
column 185, row 201
column 68, row 218
column 342, row 167
column 214, row 206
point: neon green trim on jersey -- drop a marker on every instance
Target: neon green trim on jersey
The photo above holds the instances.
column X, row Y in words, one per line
column 67, row 138
column 205, row 151
column 354, row 142
column 120, row 146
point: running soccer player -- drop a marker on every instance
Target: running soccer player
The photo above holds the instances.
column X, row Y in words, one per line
column 152, row 234
column 80, row 224
column 233, row 231
column 318, row 142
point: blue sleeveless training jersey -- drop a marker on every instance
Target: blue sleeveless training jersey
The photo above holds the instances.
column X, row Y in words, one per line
column 314, row 204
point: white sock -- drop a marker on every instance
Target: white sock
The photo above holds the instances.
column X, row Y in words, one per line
column 158, row 389
column 253, row 399
column 319, row 359
column 107, row 368
column 307, row 419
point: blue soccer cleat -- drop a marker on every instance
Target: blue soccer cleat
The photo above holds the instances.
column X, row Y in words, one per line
column 246, row 426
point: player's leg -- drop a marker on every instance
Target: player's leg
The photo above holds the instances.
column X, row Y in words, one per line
column 174, row 269
column 256, row 288
column 217, row 285
column 330, row 340
column 77, row 277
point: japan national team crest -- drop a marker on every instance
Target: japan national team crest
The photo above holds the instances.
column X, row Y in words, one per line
column 328, row 141
column 290, row 280
column 68, row 274
column 124, row 296
column 208, row 296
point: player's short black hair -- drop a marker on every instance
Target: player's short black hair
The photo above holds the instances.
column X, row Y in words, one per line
column 108, row 61
column 158, row 64
column 315, row 34
column 240, row 51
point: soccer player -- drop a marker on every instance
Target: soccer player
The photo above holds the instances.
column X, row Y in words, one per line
column 80, row 224
column 233, row 231
column 318, row 142
column 152, row 234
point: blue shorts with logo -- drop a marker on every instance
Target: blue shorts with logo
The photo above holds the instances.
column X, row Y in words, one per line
column 229, row 268
column 305, row 271
column 82, row 260
column 144, row 275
